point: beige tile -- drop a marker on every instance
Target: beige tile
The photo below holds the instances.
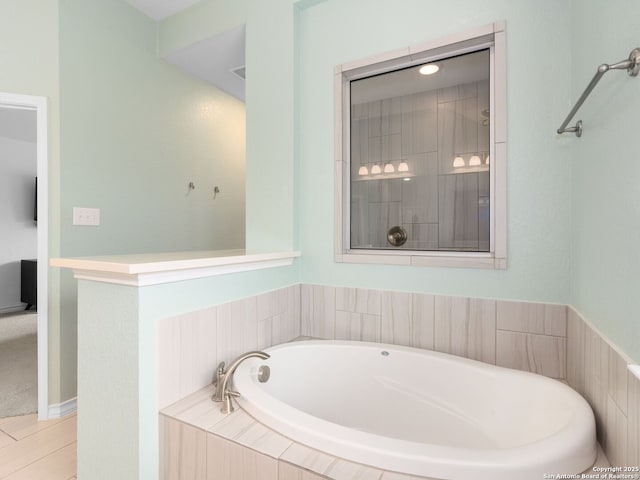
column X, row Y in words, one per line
column 230, row 461
column 401, row 476
column 237, row 329
column 198, row 352
column 183, row 451
column 37, row 446
column 618, row 379
column 196, row 409
column 286, row 471
column 350, row 326
column 466, row 327
column 5, row 439
column 205, row 351
column 575, row 351
column 245, row 430
column 601, row 461
column 293, row 310
column 358, row 300
column 397, row 315
column 633, row 419
column 60, row 465
column 525, row 317
column 595, row 377
column 271, row 303
column 318, row 311
column 615, row 434
column 323, row 464
column 265, row 333
column 540, row 354
column 168, row 361
column 278, row 314
column 422, row 321
column 23, row 426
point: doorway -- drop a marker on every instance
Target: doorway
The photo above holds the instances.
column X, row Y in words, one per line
column 30, row 108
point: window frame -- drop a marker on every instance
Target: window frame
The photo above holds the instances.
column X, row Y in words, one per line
column 488, row 36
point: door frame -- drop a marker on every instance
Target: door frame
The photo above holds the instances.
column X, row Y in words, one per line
column 39, row 105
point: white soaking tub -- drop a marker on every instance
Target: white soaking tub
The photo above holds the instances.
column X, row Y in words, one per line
column 420, row 412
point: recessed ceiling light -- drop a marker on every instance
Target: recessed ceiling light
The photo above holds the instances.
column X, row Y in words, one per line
column 429, row 69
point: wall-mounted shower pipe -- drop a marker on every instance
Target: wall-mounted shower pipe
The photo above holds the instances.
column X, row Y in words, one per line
column 631, row 64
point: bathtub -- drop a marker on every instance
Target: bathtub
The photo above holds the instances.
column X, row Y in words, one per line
column 420, row 412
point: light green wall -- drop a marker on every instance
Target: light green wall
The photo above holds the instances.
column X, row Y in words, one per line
column 270, row 31
column 29, row 55
column 606, row 173
column 135, row 132
column 538, row 168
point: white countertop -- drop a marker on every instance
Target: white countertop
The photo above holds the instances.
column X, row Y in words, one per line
column 154, row 268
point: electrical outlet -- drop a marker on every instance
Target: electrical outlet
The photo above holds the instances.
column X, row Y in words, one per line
column 86, row 216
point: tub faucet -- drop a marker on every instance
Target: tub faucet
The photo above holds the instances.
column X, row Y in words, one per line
column 222, row 393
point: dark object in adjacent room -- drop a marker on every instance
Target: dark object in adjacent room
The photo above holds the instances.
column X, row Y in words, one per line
column 29, row 283
column 35, row 202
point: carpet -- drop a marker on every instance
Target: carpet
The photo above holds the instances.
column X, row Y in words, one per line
column 18, row 364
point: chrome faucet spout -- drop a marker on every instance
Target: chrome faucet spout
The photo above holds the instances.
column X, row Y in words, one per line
column 222, row 393
column 220, row 374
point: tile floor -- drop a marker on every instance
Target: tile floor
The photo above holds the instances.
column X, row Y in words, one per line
column 32, row 450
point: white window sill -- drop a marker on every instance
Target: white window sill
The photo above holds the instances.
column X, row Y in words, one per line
column 156, row 268
column 419, row 259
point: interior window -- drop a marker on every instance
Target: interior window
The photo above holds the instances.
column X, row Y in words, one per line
column 420, row 157
column 421, row 153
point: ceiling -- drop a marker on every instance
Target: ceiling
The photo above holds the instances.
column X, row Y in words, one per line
column 161, row 9
column 212, row 59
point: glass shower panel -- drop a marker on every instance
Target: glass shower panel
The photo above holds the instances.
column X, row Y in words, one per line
column 420, row 157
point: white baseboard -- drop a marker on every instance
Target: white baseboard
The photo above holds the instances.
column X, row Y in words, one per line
column 63, row 409
column 14, row 309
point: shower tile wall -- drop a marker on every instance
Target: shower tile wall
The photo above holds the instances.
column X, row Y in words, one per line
column 440, row 207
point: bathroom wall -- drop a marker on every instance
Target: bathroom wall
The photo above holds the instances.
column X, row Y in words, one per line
column 606, row 173
column 135, row 132
column 539, row 208
column 271, row 192
column 29, row 48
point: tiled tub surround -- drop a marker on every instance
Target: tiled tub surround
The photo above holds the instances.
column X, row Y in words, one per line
column 198, row 442
column 525, row 336
column 598, row 370
column 190, row 346
column 528, row 336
